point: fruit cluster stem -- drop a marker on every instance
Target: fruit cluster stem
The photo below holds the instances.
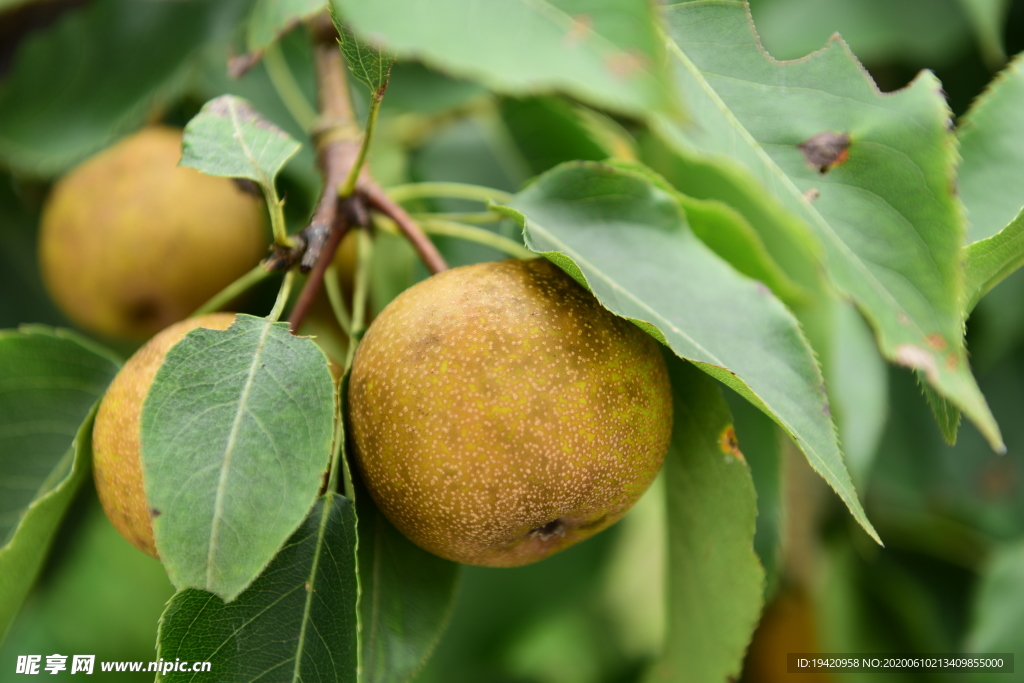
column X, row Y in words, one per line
column 349, row 191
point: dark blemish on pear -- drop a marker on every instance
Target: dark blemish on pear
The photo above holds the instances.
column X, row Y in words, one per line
column 826, row 150
column 555, row 527
column 143, row 310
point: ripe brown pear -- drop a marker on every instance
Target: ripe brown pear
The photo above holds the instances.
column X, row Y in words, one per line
column 501, row 414
column 130, row 242
column 117, row 463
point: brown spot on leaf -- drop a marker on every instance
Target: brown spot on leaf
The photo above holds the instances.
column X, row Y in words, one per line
column 577, row 33
column 624, row 64
column 234, row 108
column 918, row 359
column 154, row 513
column 952, row 361
column 936, row 341
column 812, row 194
column 826, row 150
column 729, row 444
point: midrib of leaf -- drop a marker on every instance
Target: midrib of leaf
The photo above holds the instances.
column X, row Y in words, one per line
column 805, row 445
column 363, row 64
column 240, row 136
column 218, row 505
column 242, row 625
column 781, row 175
column 308, row 606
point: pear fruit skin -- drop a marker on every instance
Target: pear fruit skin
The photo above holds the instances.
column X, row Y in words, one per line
column 501, row 414
column 116, row 445
column 130, row 242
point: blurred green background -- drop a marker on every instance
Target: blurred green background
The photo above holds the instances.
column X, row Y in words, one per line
column 952, row 517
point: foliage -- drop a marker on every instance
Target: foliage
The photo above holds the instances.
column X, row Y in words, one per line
column 812, row 243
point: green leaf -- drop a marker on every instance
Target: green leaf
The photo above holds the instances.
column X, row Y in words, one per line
column 786, row 238
column 762, row 444
column 297, row 622
column 19, row 263
column 608, row 54
column 633, row 581
column 88, row 64
column 989, row 261
column 368, row 63
column 875, row 29
column 998, row 621
column 23, row 555
column 236, row 435
column 988, row 18
column 731, row 236
column 407, row 596
column 50, row 380
column 230, row 138
column 550, row 130
column 98, row 595
column 992, row 149
column 715, row 580
column 870, row 174
column 858, row 383
column 272, row 18
column 627, row 240
column 947, row 415
column 417, row 89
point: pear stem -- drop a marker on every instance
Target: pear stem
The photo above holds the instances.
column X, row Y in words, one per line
column 316, row 276
column 287, row 87
column 360, row 297
column 233, row 291
column 333, row 288
column 470, row 233
column 479, row 193
column 282, row 297
column 473, row 218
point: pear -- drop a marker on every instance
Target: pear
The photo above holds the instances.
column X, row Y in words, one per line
column 501, row 414
column 117, row 459
column 130, row 242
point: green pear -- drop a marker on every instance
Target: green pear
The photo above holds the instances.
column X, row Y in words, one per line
column 501, row 414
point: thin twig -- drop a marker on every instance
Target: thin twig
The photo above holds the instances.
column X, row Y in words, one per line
column 336, row 135
column 316, row 277
column 378, row 199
